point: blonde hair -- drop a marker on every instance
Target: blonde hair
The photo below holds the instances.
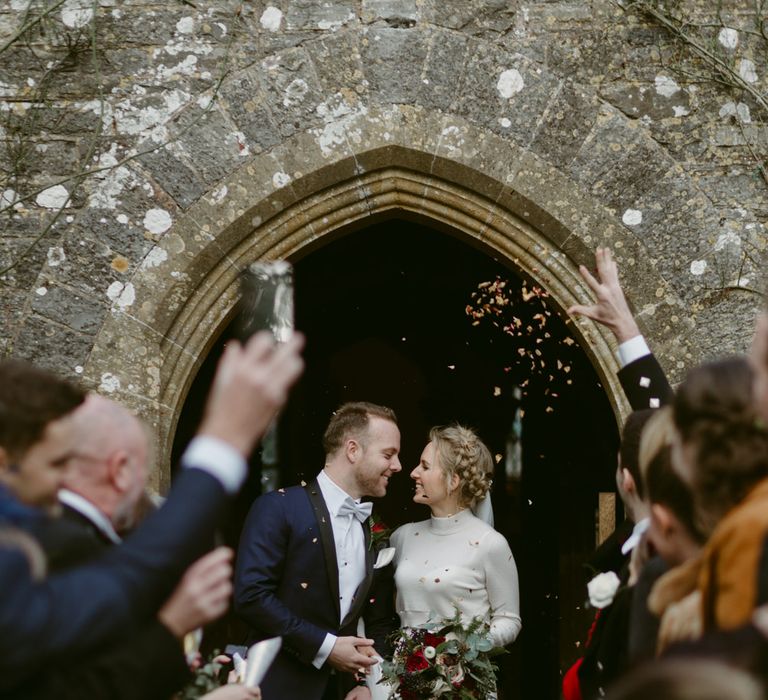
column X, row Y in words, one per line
column 657, row 434
column 461, row 452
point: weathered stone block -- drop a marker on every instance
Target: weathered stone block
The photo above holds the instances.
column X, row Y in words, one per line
column 25, row 257
column 394, row 61
column 504, row 92
column 212, row 144
column 633, row 176
column 611, row 138
column 567, row 123
column 76, row 311
column 303, row 15
column 337, row 62
column 52, row 346
column 12, row 312
column 292, row 89
column 645, row 100
column 480, row 18
column 169, row 170
column 443, row 69
column 396, row 13
column 88, row 265
column 244, row 101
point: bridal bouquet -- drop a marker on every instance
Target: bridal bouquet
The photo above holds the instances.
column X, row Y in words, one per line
column 445, row 660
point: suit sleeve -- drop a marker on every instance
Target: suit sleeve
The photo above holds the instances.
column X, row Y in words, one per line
column 75, row 612
column 379, row 612
column 645, row 384
column 264, row 546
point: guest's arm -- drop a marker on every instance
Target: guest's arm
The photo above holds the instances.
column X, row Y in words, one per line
column 75, row 612
column 641, row 375
column 502, row 585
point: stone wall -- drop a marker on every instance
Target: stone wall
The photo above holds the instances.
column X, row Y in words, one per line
column 160, row 147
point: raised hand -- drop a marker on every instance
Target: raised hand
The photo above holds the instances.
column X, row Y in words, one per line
column 611, row 308
column 250, row 386
column 203, row 594
column 346, row 657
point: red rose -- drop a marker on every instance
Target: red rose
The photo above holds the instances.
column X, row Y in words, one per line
column 433, row 640
column 408, row 694
column 378, row 527
column 416, row 662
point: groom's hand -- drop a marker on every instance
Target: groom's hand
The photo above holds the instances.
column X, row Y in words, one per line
column 345, row 656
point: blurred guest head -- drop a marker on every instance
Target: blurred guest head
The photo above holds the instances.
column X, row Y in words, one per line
column 676, row 679
column 720, row 447
column 629, row 480
column 672, row 531
column 37, row 436
column 109, row 465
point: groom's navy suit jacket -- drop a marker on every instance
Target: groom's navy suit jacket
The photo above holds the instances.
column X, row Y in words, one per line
column 287, row 584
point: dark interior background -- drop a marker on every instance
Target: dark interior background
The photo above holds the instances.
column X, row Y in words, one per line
column 384, row 310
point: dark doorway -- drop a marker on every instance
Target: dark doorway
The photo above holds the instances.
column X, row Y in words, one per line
column 390, row 317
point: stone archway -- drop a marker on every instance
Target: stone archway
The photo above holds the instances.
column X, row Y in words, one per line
column 514, row 204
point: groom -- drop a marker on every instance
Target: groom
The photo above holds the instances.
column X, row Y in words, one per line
column 306, row 569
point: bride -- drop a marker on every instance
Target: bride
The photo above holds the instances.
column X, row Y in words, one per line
column 454, row 559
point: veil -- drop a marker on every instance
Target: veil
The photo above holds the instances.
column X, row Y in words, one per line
column 483, row 509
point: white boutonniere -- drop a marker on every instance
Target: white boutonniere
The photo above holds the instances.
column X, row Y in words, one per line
column 384, row 557
column 602, row 589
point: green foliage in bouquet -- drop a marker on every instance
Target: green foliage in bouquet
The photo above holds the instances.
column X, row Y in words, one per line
column 206, row 679
column 447, row 660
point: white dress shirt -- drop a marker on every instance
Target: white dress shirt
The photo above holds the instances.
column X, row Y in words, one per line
column 83, row 506
column 640, row 528
column 349, row 539
column 222, row 461
column 633, row 349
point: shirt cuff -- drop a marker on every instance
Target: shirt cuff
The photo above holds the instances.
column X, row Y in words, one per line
column 633, row 349
column 325, row 650
column 219, row 459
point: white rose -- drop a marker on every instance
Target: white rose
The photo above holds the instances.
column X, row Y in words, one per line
column 429, row 652
column 455, row 674
column 602, row 589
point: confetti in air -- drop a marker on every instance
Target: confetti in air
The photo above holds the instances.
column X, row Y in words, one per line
column 539, row 360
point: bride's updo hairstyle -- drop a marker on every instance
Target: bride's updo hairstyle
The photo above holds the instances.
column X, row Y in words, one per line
column 460, row 451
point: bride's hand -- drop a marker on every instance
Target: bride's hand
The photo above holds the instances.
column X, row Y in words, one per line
column 360, row 692
column 347, row 655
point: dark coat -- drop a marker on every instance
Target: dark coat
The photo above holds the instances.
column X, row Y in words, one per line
column 68, row 616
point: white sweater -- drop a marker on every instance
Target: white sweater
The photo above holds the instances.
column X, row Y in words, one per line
column 459, row 561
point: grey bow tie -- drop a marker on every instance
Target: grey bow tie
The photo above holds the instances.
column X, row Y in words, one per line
column 361, row 511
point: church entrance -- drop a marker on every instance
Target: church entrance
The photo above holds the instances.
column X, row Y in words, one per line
column 402, row 314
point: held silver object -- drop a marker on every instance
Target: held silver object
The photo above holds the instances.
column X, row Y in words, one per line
column 260, row 658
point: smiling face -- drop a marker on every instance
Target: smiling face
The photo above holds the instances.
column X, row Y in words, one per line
column 379, row 457
column 431, row 486
column 37, row 476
